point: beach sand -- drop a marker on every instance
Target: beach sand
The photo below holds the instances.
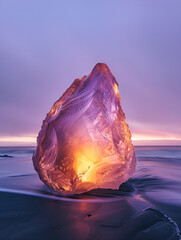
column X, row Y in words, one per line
column 30, row 217
column 147, row 207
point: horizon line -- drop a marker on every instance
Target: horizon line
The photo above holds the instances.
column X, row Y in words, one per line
column 137, row 140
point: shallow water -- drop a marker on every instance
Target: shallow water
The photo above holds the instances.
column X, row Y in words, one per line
column 156, row 186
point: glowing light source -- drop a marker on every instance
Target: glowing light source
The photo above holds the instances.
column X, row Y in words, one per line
column 85, row 158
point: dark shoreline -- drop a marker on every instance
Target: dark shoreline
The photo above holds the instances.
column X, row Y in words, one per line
column 30, row 217
column 146, row 207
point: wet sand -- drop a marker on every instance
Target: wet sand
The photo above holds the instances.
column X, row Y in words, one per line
column 32, row 217
column 147, row 207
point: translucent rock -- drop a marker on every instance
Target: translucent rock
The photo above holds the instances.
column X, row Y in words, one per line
column 85, row 142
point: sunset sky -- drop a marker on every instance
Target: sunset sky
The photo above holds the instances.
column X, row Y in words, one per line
column 45, row 45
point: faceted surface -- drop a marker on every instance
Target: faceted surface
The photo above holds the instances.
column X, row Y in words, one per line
column 85, row 142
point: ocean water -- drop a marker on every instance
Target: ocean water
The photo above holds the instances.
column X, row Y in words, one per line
column 156, row 184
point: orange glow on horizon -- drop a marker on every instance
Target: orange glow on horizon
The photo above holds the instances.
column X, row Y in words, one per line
column 136, row 138
column 17, row 141
column 141, row 137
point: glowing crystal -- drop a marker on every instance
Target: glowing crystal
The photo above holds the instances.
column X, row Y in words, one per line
column 85, row 142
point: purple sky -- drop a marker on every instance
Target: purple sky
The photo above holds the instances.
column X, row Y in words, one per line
column 45, row 45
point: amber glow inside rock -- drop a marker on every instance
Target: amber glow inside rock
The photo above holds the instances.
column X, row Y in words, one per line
column 85, row 142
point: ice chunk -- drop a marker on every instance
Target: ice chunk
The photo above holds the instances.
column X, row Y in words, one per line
column 85, row 142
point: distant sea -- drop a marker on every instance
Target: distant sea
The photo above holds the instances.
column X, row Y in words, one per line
column 155, row 188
